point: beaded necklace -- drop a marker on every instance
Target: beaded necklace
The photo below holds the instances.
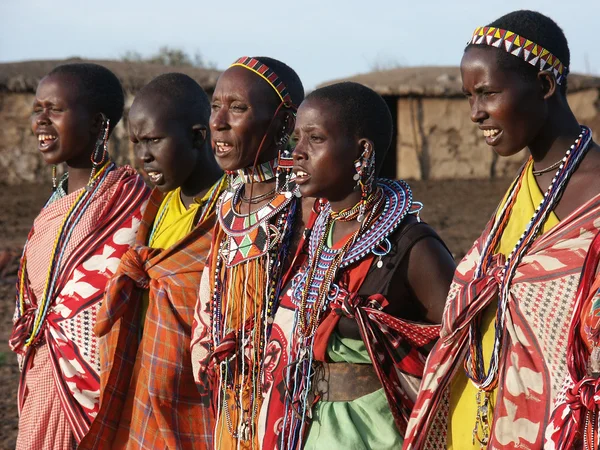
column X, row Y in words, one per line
column 72, row 218
column 314, row 287
column 260, row 173
column 264, row 233
column 474, row 366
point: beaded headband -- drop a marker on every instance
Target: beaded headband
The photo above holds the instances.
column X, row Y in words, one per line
column 263, row 71
column 521, row 47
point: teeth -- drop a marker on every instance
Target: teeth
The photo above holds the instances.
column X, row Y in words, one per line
column 491, row 133
column 154, row 176
column 46, row 137
column 223, row 146
column 301, row 173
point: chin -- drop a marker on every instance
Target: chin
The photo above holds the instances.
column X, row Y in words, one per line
column 506, row 152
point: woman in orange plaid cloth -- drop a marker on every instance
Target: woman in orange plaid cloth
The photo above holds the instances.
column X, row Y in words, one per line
column 72, row 251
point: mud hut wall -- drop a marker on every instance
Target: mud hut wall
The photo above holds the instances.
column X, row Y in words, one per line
column 437, row 140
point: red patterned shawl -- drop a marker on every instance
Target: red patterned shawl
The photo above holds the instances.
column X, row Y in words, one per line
column 98, row 241
column 533, row 365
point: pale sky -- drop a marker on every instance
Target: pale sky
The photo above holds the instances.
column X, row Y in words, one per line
column 321, row 40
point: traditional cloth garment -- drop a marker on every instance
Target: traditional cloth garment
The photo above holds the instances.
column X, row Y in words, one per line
column 463, row 393
column 149, row 398
column 574, row 421
column 395, row 345
column 235, row 309
column 532, row 365
column 73, row 249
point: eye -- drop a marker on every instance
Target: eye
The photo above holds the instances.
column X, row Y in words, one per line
column 154, row 140
column 316, row 138
column 239, row 107
column 215, row 107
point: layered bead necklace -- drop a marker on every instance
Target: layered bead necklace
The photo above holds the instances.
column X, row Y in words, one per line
column 474, row 365
column 72, row 218
column 314, row 288
column 254, row 246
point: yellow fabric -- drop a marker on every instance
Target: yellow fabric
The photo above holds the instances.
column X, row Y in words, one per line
column 463, row 405
column 174, row 222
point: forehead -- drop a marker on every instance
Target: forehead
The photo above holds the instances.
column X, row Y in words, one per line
column 62, row 87
column 320, row 112
column 481, row 65
column 155, row 110
column 243, row 83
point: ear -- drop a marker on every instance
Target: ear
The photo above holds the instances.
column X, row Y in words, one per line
column 365, row 148
column 548, row 83
column 98, row 123
column 200, row 133
column 287, row 120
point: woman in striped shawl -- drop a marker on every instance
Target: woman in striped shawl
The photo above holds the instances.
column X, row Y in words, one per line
column 499, row 367
column 74, row 247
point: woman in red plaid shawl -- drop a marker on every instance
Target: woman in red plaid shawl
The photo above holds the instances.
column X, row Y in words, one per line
column 499, row 367
column 350, row 337
column 149, row 398
column 73, row 249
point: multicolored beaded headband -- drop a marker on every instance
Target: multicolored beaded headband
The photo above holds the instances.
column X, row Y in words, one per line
column 521, row 47
column 263, row 71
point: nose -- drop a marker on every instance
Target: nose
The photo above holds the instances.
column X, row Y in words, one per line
column 41, row 118
column 142, row 152
column 478, row 113
column 218, row 119
column 299, row 152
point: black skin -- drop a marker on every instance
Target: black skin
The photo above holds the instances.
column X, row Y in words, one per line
column 532, row 113
column 242, row 113
column 168, row 140
column 326, row 151
column 60, row 109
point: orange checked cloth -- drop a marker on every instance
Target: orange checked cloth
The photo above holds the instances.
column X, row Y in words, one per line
column 149, row 397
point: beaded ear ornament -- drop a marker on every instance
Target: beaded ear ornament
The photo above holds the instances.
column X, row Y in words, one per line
column 364, row 177
column 100, row 154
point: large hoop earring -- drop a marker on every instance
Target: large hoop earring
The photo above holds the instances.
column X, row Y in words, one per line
column 100, row 153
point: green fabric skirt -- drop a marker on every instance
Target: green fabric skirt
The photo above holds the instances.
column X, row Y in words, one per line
column 362, row 424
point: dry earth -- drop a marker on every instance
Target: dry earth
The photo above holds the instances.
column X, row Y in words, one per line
column 458, row 210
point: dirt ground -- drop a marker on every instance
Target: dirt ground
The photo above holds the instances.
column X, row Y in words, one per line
column 458, row 210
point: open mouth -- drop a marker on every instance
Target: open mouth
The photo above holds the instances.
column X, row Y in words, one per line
column 492, row 135
column 222, row 148
column 155, row 177
column 301, row 176
column 45, row 141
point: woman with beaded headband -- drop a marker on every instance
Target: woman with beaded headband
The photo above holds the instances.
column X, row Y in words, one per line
column 72, row 250
column 499, row 366
column 351, row 333
column 253, row 113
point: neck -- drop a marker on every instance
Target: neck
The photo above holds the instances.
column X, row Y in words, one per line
column 257, row 189
column 78, row 178
column 200, row 182
column 557, row 135
column 347, row 202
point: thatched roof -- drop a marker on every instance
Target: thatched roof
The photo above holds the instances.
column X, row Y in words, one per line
column 25, row 76
column 436, row 81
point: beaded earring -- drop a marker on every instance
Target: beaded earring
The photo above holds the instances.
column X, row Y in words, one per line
column 285, row 163
column 100, row 153
column 54, row 180
column 364, row 177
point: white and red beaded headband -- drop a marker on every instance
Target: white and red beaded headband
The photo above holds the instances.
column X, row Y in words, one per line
column 523, row 48
column 269, row 75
